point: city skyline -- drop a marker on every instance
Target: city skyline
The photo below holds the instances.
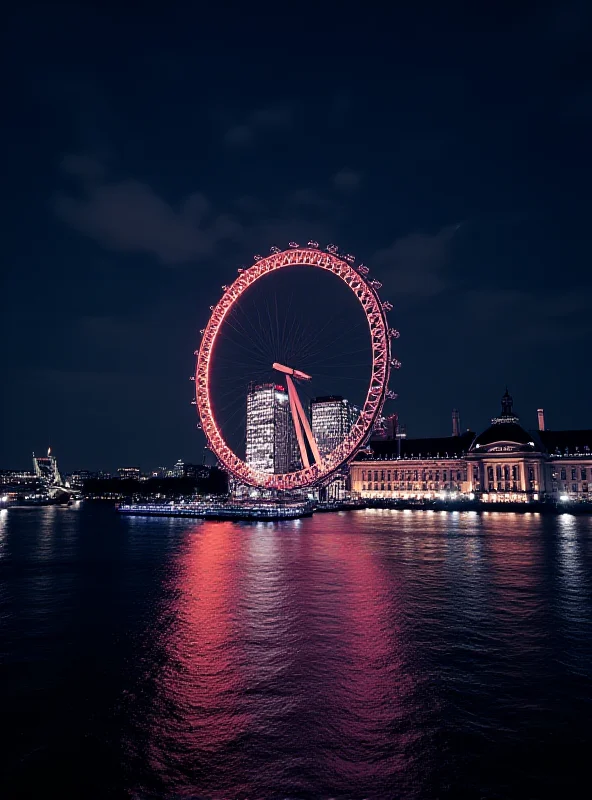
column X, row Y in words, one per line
column 451, row 154
column 23, row 462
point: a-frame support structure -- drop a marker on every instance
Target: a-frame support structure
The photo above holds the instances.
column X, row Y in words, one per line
column 299, row 418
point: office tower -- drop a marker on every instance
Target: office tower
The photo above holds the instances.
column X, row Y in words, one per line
column 332, row 418
column 269, row 428
column 128, row 473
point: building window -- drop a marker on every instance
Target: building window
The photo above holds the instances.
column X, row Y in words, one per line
column 416, row 475
column 531, row 473
column 583, row 473
column 563, row 474
column 396, row 475
column 490, row 473
column 574, row 474
column 389, row 487
column 444, row 475
column 498, row 473
column 574, row 487
column 375, row 475
column 375, row 487
column 514, row 473
column 388, row 476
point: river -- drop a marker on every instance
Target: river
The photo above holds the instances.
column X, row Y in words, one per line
column 365, row 654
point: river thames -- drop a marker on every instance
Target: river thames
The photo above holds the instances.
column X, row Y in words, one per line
column 367, row 654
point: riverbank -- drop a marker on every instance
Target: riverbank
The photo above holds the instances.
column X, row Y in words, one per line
column 479, row 506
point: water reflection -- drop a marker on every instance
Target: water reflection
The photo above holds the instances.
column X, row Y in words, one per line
column 282, row 650
column 199, row 710
column 369, row 654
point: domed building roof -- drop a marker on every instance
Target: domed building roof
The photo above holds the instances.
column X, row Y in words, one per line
column 506, row 430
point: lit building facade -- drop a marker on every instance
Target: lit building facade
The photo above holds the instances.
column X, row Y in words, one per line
column 178, row 469
column 129, row 473
column 268, row 436
column 332, row 418
column 504, row 463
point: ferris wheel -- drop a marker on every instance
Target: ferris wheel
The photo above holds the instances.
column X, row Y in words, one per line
column 315, row 467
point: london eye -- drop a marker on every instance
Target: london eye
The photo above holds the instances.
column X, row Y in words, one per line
column 308, row 319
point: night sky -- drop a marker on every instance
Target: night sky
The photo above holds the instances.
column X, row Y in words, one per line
column 148, row 154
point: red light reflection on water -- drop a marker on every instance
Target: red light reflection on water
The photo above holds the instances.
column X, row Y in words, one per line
column 200, row 686
column 375, row 688
column 285, row 652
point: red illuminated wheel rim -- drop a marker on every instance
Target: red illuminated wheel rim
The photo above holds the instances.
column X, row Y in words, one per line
column 374, row 310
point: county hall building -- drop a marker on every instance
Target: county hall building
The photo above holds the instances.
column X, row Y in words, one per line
column 504, row 463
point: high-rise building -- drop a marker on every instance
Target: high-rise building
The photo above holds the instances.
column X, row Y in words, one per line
column 269, row 428
column 129, row 473
column 178, row 469
column 332, row 418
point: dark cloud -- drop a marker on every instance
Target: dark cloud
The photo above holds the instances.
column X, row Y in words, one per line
column 347, row 179
column 308, row 198
column 415, row 265
column 246, row 131
column 129, row 216
column 541, row 317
